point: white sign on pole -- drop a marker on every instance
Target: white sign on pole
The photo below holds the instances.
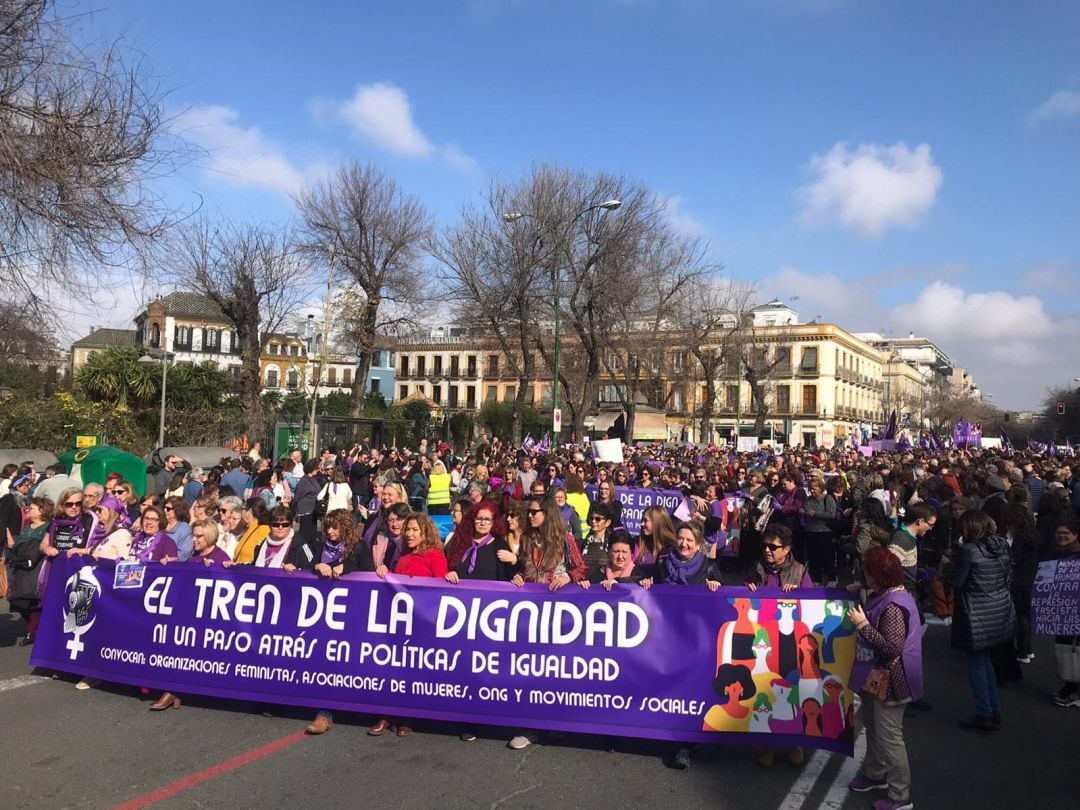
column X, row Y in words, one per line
column 556, row 420
column 747, row 444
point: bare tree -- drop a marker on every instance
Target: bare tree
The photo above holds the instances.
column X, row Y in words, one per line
column 495, row 263
column 668, row 266
column 376, row 235
column 79, row 135
column 708, row 314
column 255, row 277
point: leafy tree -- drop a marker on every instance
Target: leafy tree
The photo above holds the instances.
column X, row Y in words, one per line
column 461, row 428
column 418, row 414
column 115, row 376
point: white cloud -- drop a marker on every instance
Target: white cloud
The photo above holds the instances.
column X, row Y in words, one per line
column 682, row 220
column 239, row 155
column 871, row 188
column 381, row 114
column 1010, row 343
column 1061, row 104
column 946, row 311
column 822, row 296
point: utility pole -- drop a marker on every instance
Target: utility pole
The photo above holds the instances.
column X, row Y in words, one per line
column 317, row 380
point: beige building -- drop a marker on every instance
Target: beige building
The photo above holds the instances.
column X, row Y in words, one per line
column 86, row 347
column 824, row 384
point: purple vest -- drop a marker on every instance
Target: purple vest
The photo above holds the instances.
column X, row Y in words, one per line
column 866, row 657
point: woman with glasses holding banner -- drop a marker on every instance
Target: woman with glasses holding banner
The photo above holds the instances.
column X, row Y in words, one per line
column 343, row 552
column 778, row 568
column 685, row 564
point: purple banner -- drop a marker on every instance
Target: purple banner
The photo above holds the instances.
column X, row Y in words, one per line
column 1055, row 600
column 671, row 663
column 636, row 500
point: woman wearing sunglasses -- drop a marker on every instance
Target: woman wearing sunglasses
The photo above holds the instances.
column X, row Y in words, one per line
column 178, row 525
column 778, row 568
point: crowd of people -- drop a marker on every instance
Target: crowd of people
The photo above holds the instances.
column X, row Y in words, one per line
column 949, row 538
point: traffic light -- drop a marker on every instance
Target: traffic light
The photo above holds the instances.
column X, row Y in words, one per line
column 1061, row 409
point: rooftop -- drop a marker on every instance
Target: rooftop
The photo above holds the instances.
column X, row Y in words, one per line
column 102, row 338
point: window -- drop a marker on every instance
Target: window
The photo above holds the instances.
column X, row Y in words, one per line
column 403, row 392
column 155, row 336
column 421, row 366
column 346, row 376
column 376, row 385
column 677, row 400
column 404, row 367
column 453, row 390
column 530, row 395
column 732, row 396
column 183, row 337
column 294, row 350
column 731, row 365
column 294, row 378
column 492, row 366
column 783, row 398
column 510, row 393
column 211, row 340
column 331, row 376
column 436, row 394
column 492, row 394
column 678, row 362
column 809, row 399
column 271, row 377
column 783, row 359
column 470, row 393
column 809, row 359
column 470, row 365
column 437, row 365
column 455, row 366
column 376, row 358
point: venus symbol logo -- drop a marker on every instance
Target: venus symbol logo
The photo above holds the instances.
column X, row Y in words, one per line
column 81, row 592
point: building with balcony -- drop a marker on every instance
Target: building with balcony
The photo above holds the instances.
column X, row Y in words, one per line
column 821, row 383
column 192, row 327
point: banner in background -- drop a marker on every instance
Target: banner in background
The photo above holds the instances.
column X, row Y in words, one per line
column 671, row 663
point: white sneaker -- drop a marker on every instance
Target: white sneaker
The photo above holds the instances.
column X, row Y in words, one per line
column 87, row 683
column 519, row 742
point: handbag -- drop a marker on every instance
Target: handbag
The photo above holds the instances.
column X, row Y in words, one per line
column 877, row 683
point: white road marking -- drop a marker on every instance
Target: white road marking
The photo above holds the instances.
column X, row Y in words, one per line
column 21, row 681
column 838, row 791
column 800, row 791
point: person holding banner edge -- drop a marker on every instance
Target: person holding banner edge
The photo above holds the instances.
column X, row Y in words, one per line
column 685, row 564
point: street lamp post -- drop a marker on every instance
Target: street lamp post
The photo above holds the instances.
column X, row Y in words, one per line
column 556, row 416
column 154, row 356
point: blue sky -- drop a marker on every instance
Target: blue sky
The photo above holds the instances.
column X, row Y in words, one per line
column 898, row 166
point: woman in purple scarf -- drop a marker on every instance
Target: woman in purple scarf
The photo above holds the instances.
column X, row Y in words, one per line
column 151, row 543
column 890, row 634
column 685, row 564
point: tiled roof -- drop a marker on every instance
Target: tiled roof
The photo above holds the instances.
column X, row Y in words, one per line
column 193, row 305
column 101, row 338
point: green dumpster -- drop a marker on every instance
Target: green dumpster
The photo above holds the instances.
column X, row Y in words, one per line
column 95, row 464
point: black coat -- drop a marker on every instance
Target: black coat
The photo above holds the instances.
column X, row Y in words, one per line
column 983, row 612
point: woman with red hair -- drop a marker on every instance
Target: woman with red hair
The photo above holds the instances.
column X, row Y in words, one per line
column 889, row 632
column 481, row 522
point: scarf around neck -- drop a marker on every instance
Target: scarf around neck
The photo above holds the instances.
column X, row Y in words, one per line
column 681, row 572
column 473, row 551
column 272, row 553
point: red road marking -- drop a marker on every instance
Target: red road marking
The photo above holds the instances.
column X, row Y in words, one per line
column 188, row 782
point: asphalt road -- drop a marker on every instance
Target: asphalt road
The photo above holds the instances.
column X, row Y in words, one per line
column 103, row 748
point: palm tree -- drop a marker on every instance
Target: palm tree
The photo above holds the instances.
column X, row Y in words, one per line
column 116, row 376
column 201, row 386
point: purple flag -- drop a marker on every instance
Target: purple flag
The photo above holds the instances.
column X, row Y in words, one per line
column 890, row 429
